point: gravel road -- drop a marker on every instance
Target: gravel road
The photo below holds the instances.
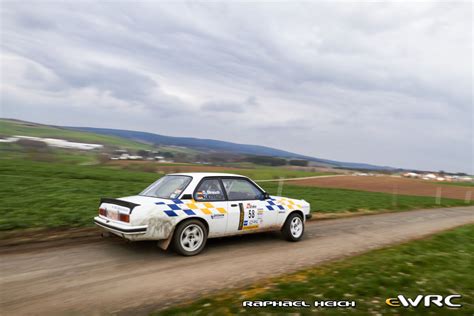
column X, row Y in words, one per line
column 111, row 276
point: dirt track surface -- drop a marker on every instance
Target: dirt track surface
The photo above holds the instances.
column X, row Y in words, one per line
column 111, row 276
column 389, row 185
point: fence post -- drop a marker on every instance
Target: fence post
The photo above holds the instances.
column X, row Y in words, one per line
column 467, row 199
column 280, row 186
column 395, row 195
column 438, row 195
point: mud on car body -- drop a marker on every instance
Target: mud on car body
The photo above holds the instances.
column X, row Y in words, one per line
column 184, row 209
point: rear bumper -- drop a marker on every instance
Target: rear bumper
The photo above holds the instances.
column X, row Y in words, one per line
column 119, row 229
column 308, row 216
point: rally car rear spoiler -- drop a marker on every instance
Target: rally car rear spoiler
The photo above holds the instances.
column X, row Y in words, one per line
column 130, row 205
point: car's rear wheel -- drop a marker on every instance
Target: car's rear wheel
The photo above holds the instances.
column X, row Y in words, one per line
column 190, row 237
column 294, row 227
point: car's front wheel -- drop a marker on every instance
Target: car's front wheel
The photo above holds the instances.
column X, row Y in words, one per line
column 190, row 237
column 294, row 227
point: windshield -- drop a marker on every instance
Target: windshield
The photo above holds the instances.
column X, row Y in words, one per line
column 168, row 187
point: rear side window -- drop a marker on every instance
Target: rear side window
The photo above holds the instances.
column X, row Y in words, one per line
column 168, row 187
column 209, row 190
column 241, row 189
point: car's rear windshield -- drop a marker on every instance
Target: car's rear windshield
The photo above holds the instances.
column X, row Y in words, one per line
column 168, row 187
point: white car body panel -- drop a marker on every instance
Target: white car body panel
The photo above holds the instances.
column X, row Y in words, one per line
column 155, row 218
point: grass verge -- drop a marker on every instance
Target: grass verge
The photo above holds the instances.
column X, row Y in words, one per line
column 441, row 264
column 459, row 184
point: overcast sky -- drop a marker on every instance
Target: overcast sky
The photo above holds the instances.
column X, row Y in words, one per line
column 382, row 83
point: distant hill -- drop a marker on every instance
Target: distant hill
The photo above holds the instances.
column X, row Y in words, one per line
column 10, row 127
column 135, row 140
column 223, row 146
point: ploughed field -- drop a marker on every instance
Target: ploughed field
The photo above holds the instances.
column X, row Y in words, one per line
column 392, row 185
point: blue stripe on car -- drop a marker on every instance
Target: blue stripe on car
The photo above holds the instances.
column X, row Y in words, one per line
column 174, row 207
column 189, row 212
column 171, row 213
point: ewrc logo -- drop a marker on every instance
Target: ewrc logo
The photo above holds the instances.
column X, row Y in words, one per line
column 428, row 301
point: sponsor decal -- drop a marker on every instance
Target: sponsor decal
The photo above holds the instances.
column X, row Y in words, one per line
column 300, row 304
column 242, row 214
column 210, row 192
column 115, row 208
column 248, row 218
column 260, row 216
column 255, row 226
column 424, row 301
column 250, row 224
column 176, row 193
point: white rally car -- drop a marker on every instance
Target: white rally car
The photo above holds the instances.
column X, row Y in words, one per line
column 185, row 209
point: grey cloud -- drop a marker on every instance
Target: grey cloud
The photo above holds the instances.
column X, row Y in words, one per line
column 232, row 107
column 335, row 80
column 122, row 83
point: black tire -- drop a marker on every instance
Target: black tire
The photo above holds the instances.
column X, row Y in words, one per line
column 287, row 232
column 183, row 245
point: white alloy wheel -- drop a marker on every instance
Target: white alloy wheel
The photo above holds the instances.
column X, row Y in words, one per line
column 191, row 237
column 296, row 227
column 293, row 229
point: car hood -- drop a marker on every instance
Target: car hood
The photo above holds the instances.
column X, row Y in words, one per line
column 289, row 199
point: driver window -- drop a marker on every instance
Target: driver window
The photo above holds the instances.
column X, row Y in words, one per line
column 209, row 190
column 241, row 189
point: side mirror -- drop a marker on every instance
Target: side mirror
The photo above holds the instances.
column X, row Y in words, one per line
column 266, row 196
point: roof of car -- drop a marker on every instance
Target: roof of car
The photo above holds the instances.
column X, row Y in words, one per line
column 206, row 174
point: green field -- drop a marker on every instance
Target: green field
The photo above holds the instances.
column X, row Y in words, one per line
column 264, row 173
column 461, row 184
column 10, row 128
column 440, row 265
column 45, row 194
column 249, row 170
column 39, row 194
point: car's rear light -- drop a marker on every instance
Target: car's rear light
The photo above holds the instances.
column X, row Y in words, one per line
column 102, row 211
column 124, row 218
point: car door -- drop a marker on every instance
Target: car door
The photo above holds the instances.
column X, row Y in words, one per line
column 210, row 201
column 247, row 209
